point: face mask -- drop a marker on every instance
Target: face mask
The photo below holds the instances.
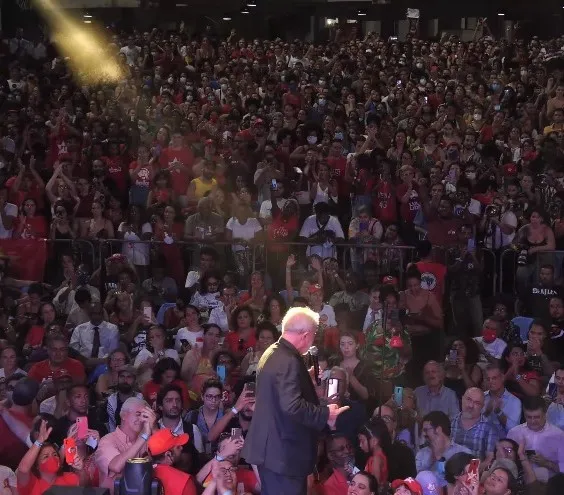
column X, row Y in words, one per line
column 283, row 78
column 496, row 87
column 224, row 87
column 322, row 101
column 321, row 82
column 419, row 65
column 170, row 80
column 311, row 139
column 523, row 73
column 157, row 77
column 471, row 175
column 50, row 465
column 422, row 81
column 189, row 87
column 477, row 117
column 499, row 142
column 339, row 135
column 183, row 80
column 488, row 335
column 189, row 98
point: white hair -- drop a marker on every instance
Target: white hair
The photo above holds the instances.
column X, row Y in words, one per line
column 300, row 320
column 131, row 404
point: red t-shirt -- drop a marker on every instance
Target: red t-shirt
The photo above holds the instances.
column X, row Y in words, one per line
column 18, row 197
column 151, row 389
column 409, row 210
column 35, row 335
column 170, row 156
column 384, row 203
column 33, row 228
column 38, row 486
column 117, row 171
column 42, row 370
column 232, row 343
column 433, row 277
column 338, row 166
column 12, row 449
column 143, row 178
column 175, row 482
column 281, row 231
column 443, row 232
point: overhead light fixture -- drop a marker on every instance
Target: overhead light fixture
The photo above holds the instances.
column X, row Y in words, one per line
column 245, row 10
column 361, row 12
column 87, row 16
column 87, row 22
column 226, row 18
column 251, row 4
column 182, row 5
column 501, row 14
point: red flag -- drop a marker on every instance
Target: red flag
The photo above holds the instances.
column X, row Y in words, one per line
column 27, row 257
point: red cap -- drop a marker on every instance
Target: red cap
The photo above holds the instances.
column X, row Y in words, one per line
column 510, row 169
column 259, row 122
column 313, row 288
column 389, row 280
column 412, row 485
column 164, row 440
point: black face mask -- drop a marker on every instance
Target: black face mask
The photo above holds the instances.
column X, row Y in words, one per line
column 125, row 388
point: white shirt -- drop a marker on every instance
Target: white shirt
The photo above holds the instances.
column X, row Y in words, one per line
column 10, row 210
column 510, row 406
column 244, row 231
column 131, row 54
column 327, row 249
column 192, row 278
column 145, row 354
column 495, row 348
column 7, row 477
column 136, row 252
column 219, row 317
column 17, row 372
column 185, row 334
column 83, row 338
column 65, row 307
column 370, row 318
column 498, row 239
column 549, row 442
column 266, row 207
column 327, row 317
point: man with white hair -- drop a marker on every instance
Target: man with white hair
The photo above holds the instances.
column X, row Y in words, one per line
column 282, row 443
column 127, row 441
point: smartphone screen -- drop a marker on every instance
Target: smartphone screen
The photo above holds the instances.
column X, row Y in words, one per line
column 274, row 184
column 148, row 312
column 250, row 387
column 236, row 433
column 332, row 387
column 221, row 372
column 82, row 427
column 398, row 396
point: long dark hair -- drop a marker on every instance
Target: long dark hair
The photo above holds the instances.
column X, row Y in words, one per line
column 376, row 428
column 35, row 468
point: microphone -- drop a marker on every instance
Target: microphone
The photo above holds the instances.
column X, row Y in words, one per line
column 313, row 352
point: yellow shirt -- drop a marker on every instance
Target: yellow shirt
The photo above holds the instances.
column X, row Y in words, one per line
column 202, row 188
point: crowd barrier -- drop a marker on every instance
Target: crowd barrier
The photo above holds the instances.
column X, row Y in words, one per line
column 28, row 256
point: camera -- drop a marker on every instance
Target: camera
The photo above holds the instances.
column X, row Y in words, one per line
column 492, row 210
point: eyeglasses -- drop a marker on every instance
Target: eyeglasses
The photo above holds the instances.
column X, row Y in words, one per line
column 212, row 397
column 231, row 470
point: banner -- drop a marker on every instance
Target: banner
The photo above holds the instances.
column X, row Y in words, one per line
column 28, row 257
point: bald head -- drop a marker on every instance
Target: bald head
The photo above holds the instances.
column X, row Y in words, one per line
column 472, row 403
column 299, row 326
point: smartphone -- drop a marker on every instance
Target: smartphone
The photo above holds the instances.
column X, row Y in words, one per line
column 148, row 312
column 250, row 387
column 274, row 184
column 398, row 396
column 471, row 246
column 70, row 450
column 332, row 387
column 221, row 372
column 82, row 427
column 236, row 433
column 453, row 355
column 185, row 343
column 398, row 83
column 426, row 100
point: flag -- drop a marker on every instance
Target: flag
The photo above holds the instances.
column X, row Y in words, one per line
column 28, row 257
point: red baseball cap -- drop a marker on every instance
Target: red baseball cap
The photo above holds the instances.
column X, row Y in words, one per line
column 164, row 440
column 313, row 288
column 389, row 280
column 412, row 485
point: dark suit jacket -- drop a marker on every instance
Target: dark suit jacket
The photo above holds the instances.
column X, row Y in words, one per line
column 287, row 418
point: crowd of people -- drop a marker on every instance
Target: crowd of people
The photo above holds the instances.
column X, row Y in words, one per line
column 386, row 185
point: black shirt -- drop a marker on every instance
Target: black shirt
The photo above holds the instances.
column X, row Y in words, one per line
column 60, row 431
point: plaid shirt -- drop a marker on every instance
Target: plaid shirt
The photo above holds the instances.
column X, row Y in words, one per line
column 480, row 438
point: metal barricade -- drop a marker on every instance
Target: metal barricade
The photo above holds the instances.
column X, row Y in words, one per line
column 83, row 250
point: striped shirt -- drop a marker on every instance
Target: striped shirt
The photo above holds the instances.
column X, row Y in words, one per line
column 480, row 438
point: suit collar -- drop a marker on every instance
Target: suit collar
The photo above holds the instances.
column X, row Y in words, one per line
column 287, row 345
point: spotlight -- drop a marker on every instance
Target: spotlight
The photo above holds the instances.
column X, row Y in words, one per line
column 245, row 10
column 226, row 18
column 361, row 12
column 501, row 14
column 251, row 4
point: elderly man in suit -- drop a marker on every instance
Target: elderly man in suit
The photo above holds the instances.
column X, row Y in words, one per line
column 282, row 440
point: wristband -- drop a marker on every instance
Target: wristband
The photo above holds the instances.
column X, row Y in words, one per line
column 38, row 444
column 228, row 492
column 234, row 411
column 219, row 458
column 144, row 436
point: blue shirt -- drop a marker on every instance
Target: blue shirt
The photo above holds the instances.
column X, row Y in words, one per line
column 555, row 415
column 446, row 401
column 511, row 408
column 425, row 460
column 480, row 438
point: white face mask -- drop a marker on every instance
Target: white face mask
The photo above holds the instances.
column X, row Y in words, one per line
column 189, row 98
column 422, row 81
column 170, row 80
column 224, row 87
column 312, row 139
column 419, row 65
column 321, row 82
column 477, row 116
column 183, row 80
column 471, row 175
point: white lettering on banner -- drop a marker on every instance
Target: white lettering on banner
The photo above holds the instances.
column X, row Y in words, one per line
column 544, row 292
